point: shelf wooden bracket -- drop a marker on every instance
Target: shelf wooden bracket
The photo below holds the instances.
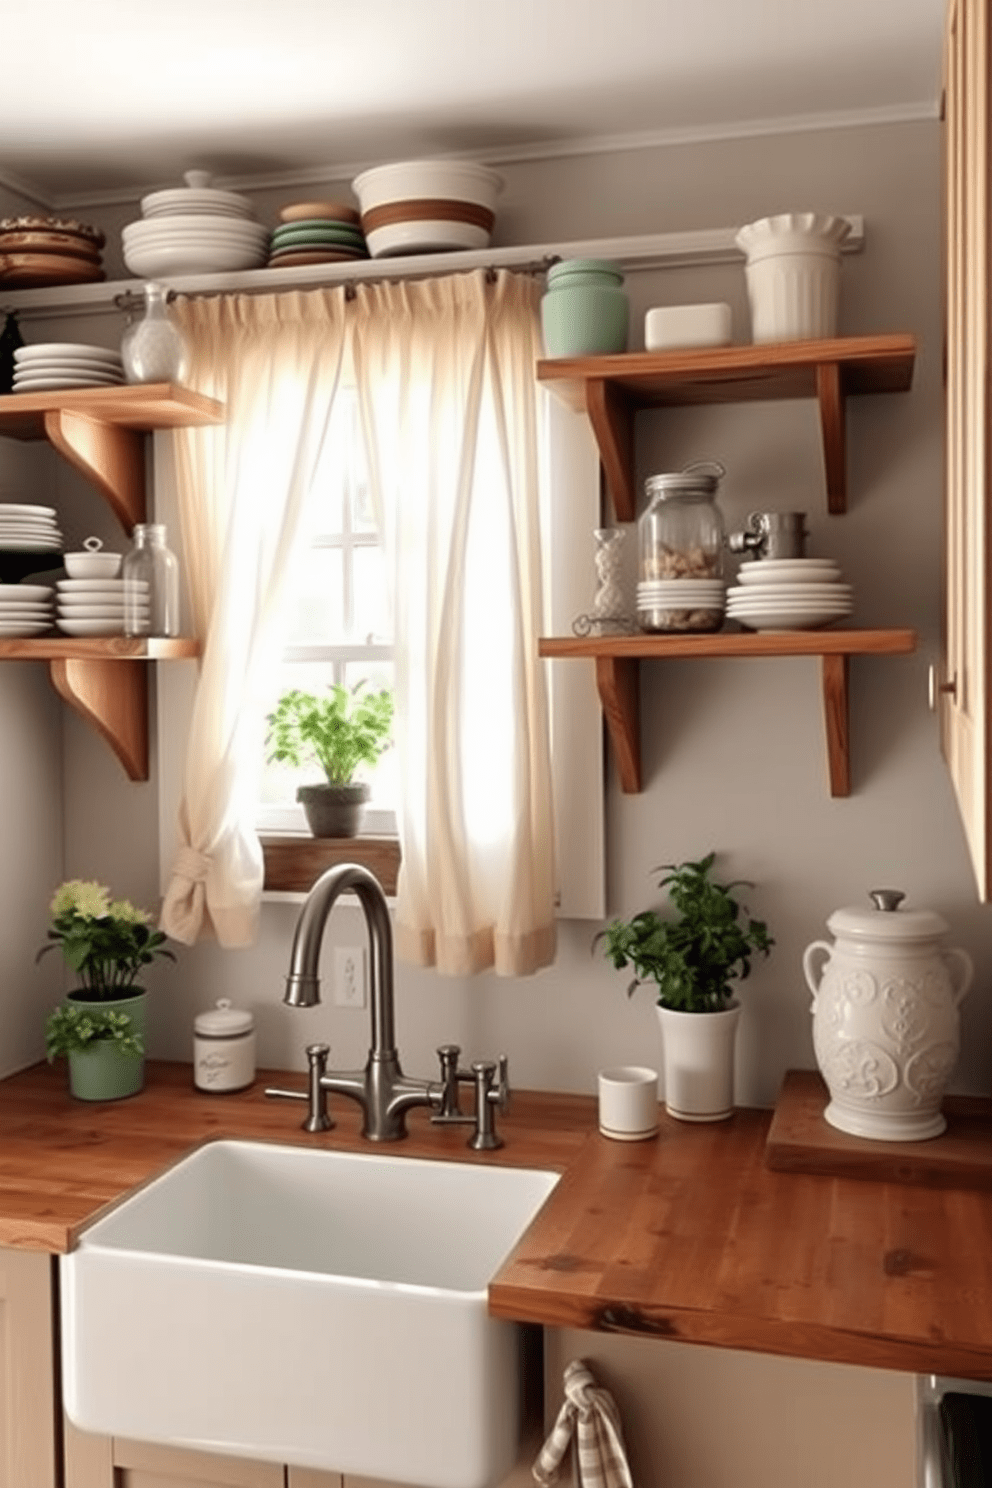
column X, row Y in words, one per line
column 834, row 671
column 612, row 420
column 109, row 456
column 833, row 425
column 617, row 682
column 112, row 696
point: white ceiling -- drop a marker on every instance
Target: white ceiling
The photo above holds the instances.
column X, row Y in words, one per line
column 104, row 96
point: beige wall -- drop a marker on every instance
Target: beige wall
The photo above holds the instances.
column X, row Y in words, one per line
column 733, row 752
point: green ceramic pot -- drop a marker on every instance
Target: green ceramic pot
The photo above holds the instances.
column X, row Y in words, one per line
column 102, row 1072
column 585, row 311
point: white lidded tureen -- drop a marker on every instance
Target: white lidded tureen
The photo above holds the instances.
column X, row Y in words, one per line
column 885, row 1018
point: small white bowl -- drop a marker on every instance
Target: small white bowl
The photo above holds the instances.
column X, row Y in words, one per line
column 91, row 565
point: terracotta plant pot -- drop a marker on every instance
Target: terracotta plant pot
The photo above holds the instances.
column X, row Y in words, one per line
column 333, row 810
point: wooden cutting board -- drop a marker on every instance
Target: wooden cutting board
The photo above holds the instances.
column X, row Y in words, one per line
column 800, row 1141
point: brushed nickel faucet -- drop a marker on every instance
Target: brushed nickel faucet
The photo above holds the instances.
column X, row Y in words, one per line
column 381, row 1089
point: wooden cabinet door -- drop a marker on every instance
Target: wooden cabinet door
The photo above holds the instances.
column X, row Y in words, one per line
column 27, row 1374
column 964, row 697
column 114, row 1462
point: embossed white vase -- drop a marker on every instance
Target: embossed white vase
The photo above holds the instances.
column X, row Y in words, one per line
column 885, row 1018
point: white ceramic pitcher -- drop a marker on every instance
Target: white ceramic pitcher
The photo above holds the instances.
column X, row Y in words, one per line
column 885, row 1018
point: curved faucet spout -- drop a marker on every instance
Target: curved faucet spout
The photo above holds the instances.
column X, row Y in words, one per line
column 303, row 981
column 382, row 1090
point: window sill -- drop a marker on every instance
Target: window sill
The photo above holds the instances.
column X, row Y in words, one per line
column 293, row 863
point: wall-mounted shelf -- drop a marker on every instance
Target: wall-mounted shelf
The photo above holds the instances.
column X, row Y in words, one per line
column 99, row 431
column 105, row 679
column 611, row 389
column 617, row 661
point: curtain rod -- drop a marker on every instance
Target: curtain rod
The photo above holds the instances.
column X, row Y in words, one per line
column 131, row 301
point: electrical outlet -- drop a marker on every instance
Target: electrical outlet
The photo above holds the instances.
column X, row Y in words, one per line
column 349, row 976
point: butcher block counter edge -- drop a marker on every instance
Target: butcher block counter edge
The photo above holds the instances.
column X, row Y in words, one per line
column 688, row 1236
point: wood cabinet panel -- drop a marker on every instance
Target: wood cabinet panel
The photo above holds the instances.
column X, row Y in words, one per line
column 964, row 692
column 28, row 1453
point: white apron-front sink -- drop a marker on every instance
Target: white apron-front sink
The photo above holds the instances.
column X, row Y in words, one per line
column 320, row 1308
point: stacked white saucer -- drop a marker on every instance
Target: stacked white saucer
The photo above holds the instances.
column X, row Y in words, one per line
column 789, row 594
column 680, row 604
column 94, row 607
column 26, row 609
column 65, row 364
column 29, row 529
column 194, row 229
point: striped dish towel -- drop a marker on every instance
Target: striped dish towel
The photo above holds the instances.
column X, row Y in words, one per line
column 589, row 1413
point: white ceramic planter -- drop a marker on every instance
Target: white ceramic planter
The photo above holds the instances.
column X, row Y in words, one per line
column 885, row 1018
column 793, row 275
column 698, row 1055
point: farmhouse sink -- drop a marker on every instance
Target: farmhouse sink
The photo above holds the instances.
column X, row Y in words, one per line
column 319, row 1308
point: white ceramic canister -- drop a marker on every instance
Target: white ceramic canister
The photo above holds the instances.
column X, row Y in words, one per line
column 793, row 274
column 223, row 1048
column 885, row 1018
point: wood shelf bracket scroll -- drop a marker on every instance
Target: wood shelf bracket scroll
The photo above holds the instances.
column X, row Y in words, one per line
column 833, row 426
column 834, row 672
column 612, row 419
column 618, row 685
column 109, row 456
column 112, row 696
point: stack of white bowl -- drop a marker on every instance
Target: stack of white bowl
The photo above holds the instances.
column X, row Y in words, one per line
column 194, row 229
column 91, row 599
column 427, row 206
column 25, row 609
column 680, row 604
column 65, row 364
column 789, row 594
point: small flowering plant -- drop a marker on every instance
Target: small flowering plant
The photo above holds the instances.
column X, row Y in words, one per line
column 72, row 1028
column 106, row 941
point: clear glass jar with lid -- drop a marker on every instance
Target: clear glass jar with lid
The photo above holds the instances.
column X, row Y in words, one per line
column 680, row 534
column 151, row 584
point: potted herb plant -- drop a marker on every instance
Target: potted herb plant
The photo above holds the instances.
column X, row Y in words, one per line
column 339, row 731
column 693, row 958
column 100, row 1026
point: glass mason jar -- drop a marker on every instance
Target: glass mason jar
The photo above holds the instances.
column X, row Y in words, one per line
column 151, row 584
column 680, row 534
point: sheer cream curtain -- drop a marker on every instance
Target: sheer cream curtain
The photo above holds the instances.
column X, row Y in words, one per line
column 445, row 377
column 274, row 361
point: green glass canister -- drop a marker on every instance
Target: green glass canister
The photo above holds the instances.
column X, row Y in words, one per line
column 584, row 311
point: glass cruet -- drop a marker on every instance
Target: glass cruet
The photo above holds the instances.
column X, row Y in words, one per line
column 151, row 584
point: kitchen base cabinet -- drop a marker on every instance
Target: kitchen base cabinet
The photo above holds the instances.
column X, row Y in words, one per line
column 704, row 1417
column 28, row 1453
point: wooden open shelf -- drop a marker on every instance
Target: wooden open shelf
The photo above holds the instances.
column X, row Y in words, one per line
column 617, row 661
column 611, row 389
column 105, row 679
column 100, row 432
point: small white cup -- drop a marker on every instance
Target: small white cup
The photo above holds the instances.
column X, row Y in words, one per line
column 628, row 1103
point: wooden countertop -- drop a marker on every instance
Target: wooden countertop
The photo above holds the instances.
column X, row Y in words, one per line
column 689, row 1236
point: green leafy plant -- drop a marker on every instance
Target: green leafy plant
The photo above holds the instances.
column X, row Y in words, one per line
column 74, row 1026
column 106, row 942
column 693, row 958
column 339, row 731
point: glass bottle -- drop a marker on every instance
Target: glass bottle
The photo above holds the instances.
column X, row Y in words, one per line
column 151, row 584
column 152, row 349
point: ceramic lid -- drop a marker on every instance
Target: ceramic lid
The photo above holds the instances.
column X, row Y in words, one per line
column 887, row 920
column 223, row 1020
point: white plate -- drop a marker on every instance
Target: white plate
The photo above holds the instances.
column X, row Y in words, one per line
column 69, row 364
column 79, row 587
column 777, row 622
column 30, row 611
column 113, row 618
column 787, row 570
column 36, row 545
column 65, row 349
column 148, row 262
column 24, row 627
column 25, row 591
column 769, row 601
column 9, row 509
column 35, row 533
column 91, row 627
column 785, row 593
column 52, row 384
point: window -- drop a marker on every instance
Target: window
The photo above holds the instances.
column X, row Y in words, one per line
column 340, row 628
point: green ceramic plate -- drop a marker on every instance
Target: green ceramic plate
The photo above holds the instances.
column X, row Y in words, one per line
column 319, row 232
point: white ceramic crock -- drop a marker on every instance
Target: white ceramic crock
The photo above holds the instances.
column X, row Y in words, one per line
column 885, row 1018
column 698, row 1062
column 793, row 274
column 223, row 1048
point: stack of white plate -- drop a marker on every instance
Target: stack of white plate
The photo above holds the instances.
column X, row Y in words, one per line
column 789, row 594
column 92, row 607
column 29, row 529
column 65, row 364
column 680, row 604
column 194, row 229
column 25, row 609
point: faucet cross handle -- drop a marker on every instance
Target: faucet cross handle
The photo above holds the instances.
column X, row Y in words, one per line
column 490, row 1095
column 317, row 1118
column 449, row 1112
